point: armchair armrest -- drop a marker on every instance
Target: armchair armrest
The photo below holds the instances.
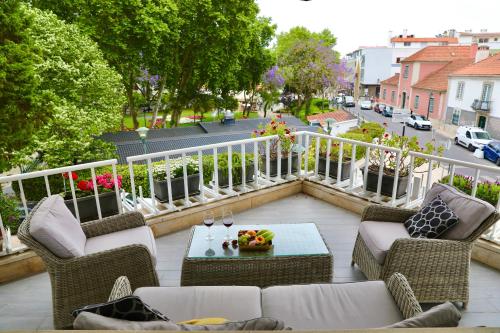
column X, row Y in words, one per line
column 403, row 295
column 386, row 214
column 113, row 223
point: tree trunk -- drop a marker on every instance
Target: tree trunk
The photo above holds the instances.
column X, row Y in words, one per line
column 266, row 104
column 308, row 101
column 251, row 103
column 158, row 101
column 130, row 100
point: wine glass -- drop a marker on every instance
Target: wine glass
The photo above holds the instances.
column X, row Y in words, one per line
column 208, row 221
column 227, row 220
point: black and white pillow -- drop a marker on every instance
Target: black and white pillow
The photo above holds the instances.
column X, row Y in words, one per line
column 432, row 220
column 127, row 308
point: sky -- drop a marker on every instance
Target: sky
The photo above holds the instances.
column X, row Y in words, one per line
column 368, row 22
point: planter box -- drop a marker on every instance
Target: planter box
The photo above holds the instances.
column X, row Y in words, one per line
column 344, row 174
column 87, row 206
column 387, row 184
column 223, row 176
column 161, row 187
column 273, row 172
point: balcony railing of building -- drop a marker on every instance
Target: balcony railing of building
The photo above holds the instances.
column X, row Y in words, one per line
column 263, row 163
column 480, row 105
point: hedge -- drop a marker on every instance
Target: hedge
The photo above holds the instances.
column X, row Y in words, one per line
column 487, row 191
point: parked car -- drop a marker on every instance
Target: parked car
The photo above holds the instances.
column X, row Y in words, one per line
column 472, row 138
column 387, row 112
column 365, row 105
column 349, row 101
column 379, row 108
column 419, row 122
column 492, row 152
column 339, row 100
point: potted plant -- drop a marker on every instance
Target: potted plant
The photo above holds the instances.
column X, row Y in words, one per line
column 11, row 217
column 160, row 182
column 285, row 138
column 223, row 166
column 87, row 207
column 390, row 162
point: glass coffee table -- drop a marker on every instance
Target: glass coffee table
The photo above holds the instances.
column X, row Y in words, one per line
column 299, row 255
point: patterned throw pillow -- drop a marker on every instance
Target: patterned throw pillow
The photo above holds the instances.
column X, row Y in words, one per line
column 432, row 220
column 127, row 308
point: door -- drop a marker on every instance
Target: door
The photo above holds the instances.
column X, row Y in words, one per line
column 481, row 122
column 403, row 100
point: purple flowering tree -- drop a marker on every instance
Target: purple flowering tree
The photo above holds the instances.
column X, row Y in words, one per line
column 151, row 87
column 272, row 83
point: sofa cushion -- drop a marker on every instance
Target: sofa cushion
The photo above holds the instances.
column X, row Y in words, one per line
column 379, row 236
column 54, row 226
column 332, row 306
column 442, row 315
column 470, row 211
column 432, row 220
column 185, row 303
column 140, row 235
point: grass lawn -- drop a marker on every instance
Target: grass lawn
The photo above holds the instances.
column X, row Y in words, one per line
column 314, row 109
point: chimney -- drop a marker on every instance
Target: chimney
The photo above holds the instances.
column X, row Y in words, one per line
column 484, row 30
column 482, row 53
column 405, row 33
column 390, row 37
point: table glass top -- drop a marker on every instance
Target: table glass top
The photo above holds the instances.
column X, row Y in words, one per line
column 302, row 239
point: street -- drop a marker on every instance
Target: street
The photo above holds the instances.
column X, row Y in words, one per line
column 455, row 152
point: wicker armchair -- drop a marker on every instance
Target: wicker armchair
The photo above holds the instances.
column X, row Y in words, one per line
column 436, row 269
column 89, row 279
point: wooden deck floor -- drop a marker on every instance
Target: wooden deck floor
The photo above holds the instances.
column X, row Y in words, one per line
column 26, row 304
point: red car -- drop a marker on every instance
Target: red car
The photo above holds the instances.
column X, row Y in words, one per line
column 379, row 108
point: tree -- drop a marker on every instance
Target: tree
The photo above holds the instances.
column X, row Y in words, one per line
column 87, row 94
column 23, row 109
column 272, row 82
column 286, row 40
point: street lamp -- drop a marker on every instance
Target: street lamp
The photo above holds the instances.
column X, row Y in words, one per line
column 143, row 133
column 329, row 124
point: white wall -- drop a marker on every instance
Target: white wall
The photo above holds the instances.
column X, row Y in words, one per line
column 400, row 53
column 342, row 127
column 472, row 90
column 377, row 65
column 468, row 40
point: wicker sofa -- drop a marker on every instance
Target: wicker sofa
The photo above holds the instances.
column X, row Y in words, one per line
column 437, row 269
column 111, row 250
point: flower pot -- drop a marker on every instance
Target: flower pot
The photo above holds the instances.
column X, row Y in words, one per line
column 344, row 173
column 387, row 184
column 177, row 184
column 273, row 165
column 223, row 175
column 87, row 207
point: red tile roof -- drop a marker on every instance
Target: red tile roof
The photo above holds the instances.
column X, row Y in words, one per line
column 338, row 115
column 424, row 39
column 487, row 67
column 438, row 80
column 442, row 53
column 392, row 81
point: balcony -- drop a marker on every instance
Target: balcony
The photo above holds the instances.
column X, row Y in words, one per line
column 480, row 105
column 285, row 188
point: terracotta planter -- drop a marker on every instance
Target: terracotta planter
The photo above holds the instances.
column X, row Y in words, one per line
column 223, row 175
column 334, row 165
column 273, row 165
column 177, row 184
column 87, row 207
column 387, row 184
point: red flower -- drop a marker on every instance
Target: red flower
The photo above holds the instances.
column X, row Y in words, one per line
column 262, row 132
column 287, row 131
column 274, row 127
column 385, row 124
column 84, row 185
column 386, row 135
column 365, row 130
column 74, row 175
column 278, row 116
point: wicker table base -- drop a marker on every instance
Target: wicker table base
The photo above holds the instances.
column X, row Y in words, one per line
column 261, row 271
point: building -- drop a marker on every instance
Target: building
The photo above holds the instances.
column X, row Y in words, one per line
column 389, row 90
column 474, row 96
column 410, row 41
column 341, row 121
column 482, row 38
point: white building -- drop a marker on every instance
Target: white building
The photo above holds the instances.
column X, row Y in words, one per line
column 474, row 95
column 490, row 39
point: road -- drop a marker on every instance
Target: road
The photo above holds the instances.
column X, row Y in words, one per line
column 454, row 152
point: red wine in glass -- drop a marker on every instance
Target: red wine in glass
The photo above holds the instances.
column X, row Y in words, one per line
column 227, row 220
column 208, row 221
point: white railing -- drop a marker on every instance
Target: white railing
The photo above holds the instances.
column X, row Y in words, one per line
column 267, row 155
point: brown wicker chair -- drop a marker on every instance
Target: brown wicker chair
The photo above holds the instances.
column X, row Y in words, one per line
column 89, row 279
column 437, row 269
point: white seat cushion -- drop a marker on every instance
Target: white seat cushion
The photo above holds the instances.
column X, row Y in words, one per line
column 185, row 303
column 55, row 227
column 379, row 236
column 140, row 235
column 332, row 306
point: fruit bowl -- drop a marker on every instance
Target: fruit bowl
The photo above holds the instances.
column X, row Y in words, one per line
column 255, row 240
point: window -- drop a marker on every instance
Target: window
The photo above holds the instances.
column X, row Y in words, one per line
column 398, row 60
column 406, row 71
column 407, row 43
column 455, row 118
column 483, row 40
column 467, row 134
column 431, row 103
column 417, row 101
column 496, row 39
column 486, row 93
column 393, row 96
column 384, row 93
column 460, row 90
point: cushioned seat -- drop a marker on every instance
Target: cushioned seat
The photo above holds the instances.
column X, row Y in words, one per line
column 184, row 303
column 332, row 306
column 379, row 236
column 140, row 235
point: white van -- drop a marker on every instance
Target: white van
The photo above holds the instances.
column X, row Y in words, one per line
column 472, row 137
column 349, row 101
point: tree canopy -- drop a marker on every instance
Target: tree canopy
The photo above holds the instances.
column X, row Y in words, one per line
column 286, row 40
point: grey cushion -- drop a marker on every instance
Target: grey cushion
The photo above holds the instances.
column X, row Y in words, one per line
column 92, row 321
column 379, row 236
column 443, row 315
column 140, row 235
column 185, row 303
column 470, row 211
column 332, row 306
column 55, row 227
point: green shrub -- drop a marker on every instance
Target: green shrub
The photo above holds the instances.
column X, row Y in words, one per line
column 372, row 129
column 10, row 212
column 222, row 163
column 487, row 191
